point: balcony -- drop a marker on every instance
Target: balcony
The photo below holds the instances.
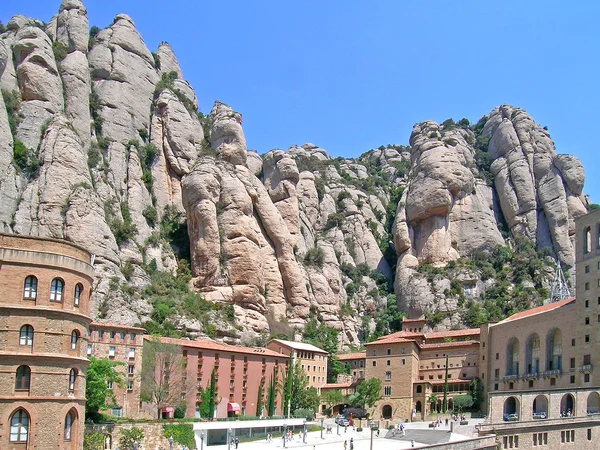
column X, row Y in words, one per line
column 551, row 373
column 586, row 368
column 510, row 377
column 531, row 376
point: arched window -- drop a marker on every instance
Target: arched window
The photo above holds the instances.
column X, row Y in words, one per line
column 418, row 407
column 74, row 339
column 26, row 335
column 78, row 292
column 72, row 378
column 23, row 378
column 532, row 354
column 587, row 240
column 419, row 389
column 68, row 426
column 512, row 357
column 19, row 426
column 56, row 290
column 554, row 349
column 30, row 288
column 386, row 412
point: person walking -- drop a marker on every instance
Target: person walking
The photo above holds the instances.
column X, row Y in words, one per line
column 237, row 442
column 345, row 445
column 351, row 443
column 412, row 443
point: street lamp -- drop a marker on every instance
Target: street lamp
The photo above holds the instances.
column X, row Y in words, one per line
column 229, row 439
column 322, row 427
column 338, row 428
column 304, row 437
column 284, row 434
column 202, row 440
column 170, row 443
column 373, row 429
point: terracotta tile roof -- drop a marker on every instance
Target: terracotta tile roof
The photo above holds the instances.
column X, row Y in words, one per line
column 114, row 325
column 350, row 356
column 402, row 334
column 405, row 320
column 452, row 333
column 539, row 310
column 337, row 385
column 390, row 340
column 210, row 345
column 449, row 344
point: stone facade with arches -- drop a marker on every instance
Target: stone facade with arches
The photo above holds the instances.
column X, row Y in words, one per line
column 540, row 367
column 44, row 323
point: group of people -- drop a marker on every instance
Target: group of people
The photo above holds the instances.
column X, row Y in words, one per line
column 456, row 417
column 235, row 441
column 399, row 428
column 566, row 413
column 351, row 444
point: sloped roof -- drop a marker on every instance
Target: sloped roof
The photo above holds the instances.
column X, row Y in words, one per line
column 539, row 310
column 390, row 340
column 114, row 325
column 337, row 385
column 211, row 345
column 299, row 346
column 350, row 356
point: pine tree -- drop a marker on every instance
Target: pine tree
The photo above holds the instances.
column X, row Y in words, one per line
column 259, row 400
column 271, row 395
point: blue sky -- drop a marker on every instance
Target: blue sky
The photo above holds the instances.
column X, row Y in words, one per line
column 352, row 75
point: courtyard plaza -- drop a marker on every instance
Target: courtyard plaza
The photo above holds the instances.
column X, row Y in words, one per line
column 420, row 432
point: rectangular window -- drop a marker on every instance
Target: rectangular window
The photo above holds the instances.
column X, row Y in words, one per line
column 374, row 363
column 100, row 334
column 573, row 342
column 530, row 383
column 497, row 373
column 109, row 384
column 389, row 351
column 387, row 391
column 130, row 386
column 587, row 303
column 122, row 335
column 374, row 353
column 552, row 381
column 131, row 353
column 111, row 351
column 388, row 362
column 403, row 362
column 587, row 320
column 113, row 334
column 403, row 350
column 572, row 363
column 89, row 349
column 132, row 337
column 587, row 269
column 587, row 338
column 130, row 369
column 388, row 376
column 586, row 378
column 496, row 386
column 572, row 380
column 587, row 286
column 589, row 434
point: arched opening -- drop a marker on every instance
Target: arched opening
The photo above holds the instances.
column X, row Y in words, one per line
column 23, row 378
column 30, row 288
column 593, row 403
column 532, row 353
column 418, row 406
column 78, row 292
column 19, row 426
column 587, row 240
column 74, row 339
column 511, row 408
column 419, row 389
column 56, row 290
column 512, row 357
column 567, row 406
column 386, row 412
column 70, row 428
column 26, row 335
column 450, row 404
column 108, row 442
column 554, row 349
column 540, row 406
column 72, row 379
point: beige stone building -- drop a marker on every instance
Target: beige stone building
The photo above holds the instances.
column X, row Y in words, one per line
column 355, row 363
column 539, row 366
column 44, row 319
column 122, row 344
column 312, row 359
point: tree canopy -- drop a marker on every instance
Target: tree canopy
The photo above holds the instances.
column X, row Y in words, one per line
column 368, row 392
column 100, row 373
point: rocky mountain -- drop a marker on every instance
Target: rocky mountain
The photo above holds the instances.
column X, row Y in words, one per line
column 102, row 143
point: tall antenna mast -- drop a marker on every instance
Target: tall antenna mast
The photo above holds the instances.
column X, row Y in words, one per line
column 560, row 288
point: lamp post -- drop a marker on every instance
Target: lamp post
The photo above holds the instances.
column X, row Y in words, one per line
column 338, row 428
column 170, row 443
column 229, row 439
column 284, row 434
column 322, row 427
column 304, row 437
column 373, row 429
column 202, row 440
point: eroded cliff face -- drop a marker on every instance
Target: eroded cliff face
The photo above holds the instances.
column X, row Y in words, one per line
column 101, row 143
